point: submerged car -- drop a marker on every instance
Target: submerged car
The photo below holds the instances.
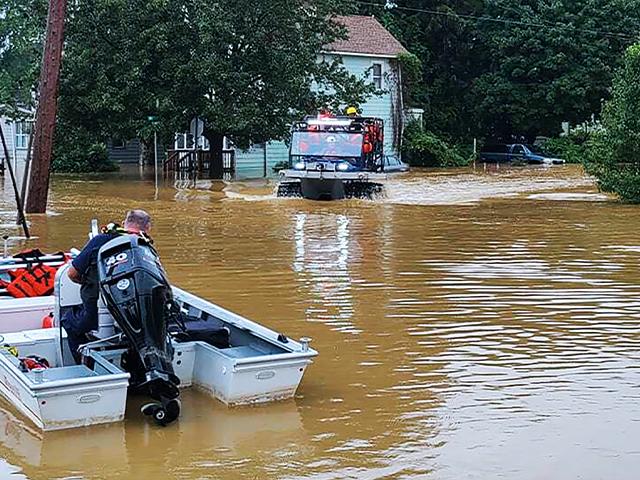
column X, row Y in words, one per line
column 393, row 164
column 517, row 152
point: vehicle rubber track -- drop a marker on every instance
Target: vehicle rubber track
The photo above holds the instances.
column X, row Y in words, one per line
column 289, row 189
column 363, row 190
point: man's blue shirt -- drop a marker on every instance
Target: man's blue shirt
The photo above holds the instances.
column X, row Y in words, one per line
column 89, row 252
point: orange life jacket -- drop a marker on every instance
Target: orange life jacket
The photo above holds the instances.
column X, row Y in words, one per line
column 34, row 281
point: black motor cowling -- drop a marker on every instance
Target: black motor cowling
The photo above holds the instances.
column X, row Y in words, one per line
column 139, row 297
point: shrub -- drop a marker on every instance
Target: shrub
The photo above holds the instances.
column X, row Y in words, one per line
column 613, row 156
column 426, row 149
column 282, row 165
column 76, row 152
column 571, row 148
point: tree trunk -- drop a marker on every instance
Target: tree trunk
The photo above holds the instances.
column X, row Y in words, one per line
column 146, row 151
column 48, row 103
column 216, row 143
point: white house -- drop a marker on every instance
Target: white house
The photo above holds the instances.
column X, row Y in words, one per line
column 16, row 133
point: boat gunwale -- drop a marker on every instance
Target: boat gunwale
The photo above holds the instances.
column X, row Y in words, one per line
column 243, row 323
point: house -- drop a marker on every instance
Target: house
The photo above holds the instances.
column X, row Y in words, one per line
column 16, row 134
column 368, row 50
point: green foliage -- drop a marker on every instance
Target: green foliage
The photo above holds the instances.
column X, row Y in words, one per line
column 21, row 35
column 77, row 152
column 541, row 77
column 573, row 148
column 411, row 68
column 615, row 158
column 622, row 112
column 539, row 64
column 245, row 67
column 426, row 149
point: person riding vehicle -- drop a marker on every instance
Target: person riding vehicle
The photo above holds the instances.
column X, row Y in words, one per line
column 352, row 112
column 81, row 320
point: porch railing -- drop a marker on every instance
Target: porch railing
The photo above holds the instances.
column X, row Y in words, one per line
column 198, row 162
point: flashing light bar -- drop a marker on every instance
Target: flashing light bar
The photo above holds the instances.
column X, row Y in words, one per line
column 329, row 121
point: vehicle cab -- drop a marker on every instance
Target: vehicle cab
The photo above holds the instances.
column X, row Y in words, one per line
column 337, row 144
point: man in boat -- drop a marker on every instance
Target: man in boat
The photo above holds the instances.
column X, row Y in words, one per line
column 78, row 322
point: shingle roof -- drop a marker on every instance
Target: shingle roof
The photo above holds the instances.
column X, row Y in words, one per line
column 366, row 36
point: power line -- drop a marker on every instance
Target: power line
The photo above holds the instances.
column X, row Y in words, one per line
column 392, row 6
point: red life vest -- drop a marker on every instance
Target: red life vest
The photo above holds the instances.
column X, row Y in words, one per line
column 35, row 281
column 33, row 361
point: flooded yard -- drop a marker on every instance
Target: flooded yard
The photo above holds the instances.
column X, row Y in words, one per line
column 473, row 324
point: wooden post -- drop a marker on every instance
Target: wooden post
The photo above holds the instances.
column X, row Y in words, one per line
column 47, row 106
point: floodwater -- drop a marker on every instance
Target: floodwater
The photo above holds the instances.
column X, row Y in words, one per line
column 471, row 325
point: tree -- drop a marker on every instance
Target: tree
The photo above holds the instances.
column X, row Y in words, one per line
column 451, row 53
column 615, row 153
column 248, row 67
column 552, row 63
column 22, row 25
column 499, row 68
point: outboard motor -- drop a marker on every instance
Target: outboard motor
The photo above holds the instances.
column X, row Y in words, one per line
column 137, row 293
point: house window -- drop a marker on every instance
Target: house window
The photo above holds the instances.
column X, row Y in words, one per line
column 118, row 143
column 23, row 131
column 376, row 71
column 180, row 141
column 183, row 141
column 203, row 143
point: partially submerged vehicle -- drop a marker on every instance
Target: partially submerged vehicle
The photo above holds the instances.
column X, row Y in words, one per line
column 518, row 152
column 153, row 338
column 331, row 158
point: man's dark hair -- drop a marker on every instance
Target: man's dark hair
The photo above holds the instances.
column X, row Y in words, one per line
column 138, row 218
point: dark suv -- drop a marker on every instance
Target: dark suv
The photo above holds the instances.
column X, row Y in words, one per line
column 516, row 152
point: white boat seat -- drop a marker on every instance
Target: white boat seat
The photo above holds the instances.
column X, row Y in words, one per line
column 67, row 292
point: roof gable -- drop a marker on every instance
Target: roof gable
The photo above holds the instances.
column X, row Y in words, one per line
column 366, row 36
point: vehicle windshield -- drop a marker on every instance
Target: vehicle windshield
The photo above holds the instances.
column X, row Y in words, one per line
column 327, row 144
column 537, row 149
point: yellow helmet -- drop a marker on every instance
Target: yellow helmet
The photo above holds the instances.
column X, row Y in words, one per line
column 352, row 111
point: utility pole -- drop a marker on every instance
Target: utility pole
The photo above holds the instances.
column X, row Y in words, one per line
column 153, row 120
column 47, row 106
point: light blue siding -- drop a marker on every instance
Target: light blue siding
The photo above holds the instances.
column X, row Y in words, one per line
column 9, row 129
column 250, row 163
column 380, row 106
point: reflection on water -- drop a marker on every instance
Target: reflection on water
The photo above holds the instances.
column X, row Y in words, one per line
column 470, row 325
column 322, row 263
column 138, row 449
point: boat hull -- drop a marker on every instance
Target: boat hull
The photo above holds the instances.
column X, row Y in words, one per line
column 258, row 366
column 62, row 396
column 322, row 189
column 263, row 366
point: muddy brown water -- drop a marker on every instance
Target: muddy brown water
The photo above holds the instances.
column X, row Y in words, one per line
column 473, row 324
